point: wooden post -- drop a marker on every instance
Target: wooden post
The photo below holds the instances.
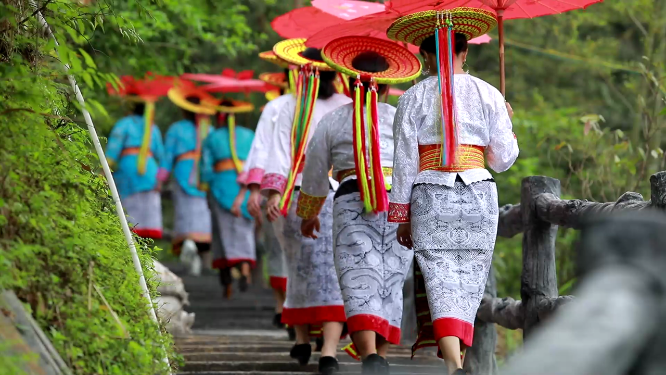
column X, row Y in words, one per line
column 480, row 358
column 538, row 280
column 658, row 190
column 615, row 325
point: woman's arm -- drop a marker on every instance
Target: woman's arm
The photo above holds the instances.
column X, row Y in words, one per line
column 405, row 159
column 315, row 185
column 502, row 150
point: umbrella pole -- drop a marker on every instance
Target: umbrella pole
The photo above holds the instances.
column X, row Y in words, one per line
column 500, row 30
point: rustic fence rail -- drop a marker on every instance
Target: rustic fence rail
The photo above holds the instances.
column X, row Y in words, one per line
column 538, row 216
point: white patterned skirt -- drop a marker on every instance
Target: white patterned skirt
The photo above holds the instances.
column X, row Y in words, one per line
column 144, row 212
column 233, row 238
column 454, row 230
column 313, row 291
column 371, row 267
column 192, row 220
column 277, row 262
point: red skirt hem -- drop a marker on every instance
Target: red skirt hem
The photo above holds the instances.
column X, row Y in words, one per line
column 367, row 322
column 444, row 327
column 228, row 263
column 155, row 234
column 313, row 315
column 278, row 283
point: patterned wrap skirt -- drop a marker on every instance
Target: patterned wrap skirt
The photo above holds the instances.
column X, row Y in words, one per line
column 277, row 262
column 192, row 219
column 371, row 267
column 144, row 211
column 313, row 291
column 453, row 231
column 233, row 238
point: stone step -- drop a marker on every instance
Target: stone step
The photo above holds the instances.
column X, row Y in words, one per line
column 283, row 356
column 357, row 372
column 274, row 348
column 209, row 366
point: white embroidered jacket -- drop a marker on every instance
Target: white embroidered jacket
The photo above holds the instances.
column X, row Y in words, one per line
column 255, row 165
column 279, row 160
column 332, row 146
column 482, row 120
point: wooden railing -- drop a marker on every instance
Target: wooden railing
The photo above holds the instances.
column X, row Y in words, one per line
column 538, row 217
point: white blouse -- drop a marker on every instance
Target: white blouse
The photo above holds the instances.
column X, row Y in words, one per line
column 279, row 158
column 482, row 120
column 255, row 165
column 332, row 145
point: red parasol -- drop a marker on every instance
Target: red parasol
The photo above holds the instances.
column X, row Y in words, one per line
column 373, row 25
column 149, row 89
column 348, row 9
column 505, row 9
column 303, row 22
column 229, row 81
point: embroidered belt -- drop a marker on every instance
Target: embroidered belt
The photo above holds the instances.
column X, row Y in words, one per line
column 191, row 155
column 386, row 171
column 467, row 157
column 225, row 165
column 133, row 151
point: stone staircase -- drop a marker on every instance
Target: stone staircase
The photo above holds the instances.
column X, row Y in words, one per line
column 236, row 337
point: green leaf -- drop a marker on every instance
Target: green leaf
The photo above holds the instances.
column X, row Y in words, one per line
column 89, row 60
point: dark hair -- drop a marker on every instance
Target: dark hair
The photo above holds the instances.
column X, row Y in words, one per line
column 283, row 90
column 429, row 44
column 223, row 103
column 326, row 79
column 139, row 108
column 370, row 62
column 381, row 88
column 188, row 114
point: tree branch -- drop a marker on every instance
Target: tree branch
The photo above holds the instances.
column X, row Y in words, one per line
column 506, row 312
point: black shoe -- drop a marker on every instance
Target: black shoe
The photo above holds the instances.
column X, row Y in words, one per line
column 242, row 284
column 320, row 344
column 302, row 353
column 277, row 321
column 460, row 372
column 292, row 333
column 374, row 364
column 328, row 365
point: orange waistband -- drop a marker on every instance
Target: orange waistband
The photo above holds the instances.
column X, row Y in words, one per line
column 386, row 171
column 133, row 151
column 468, row 157
column 225, row 165
column 191, row 155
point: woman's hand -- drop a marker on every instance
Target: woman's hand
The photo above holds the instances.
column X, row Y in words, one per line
column 509, row 109
column 309, row 226
column 273, row 206
column 404, row 235
column 235, row 208
column 254, row 204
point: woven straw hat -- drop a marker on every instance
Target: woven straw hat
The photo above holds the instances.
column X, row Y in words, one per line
column 403, row 65
column 272, row 58
column 275, row 79
column 291, row 51
column 207, row 103
column 414, row 28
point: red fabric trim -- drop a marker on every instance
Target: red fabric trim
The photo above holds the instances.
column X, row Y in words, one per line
column 242, row 178
column 255, row 176
column 367, row 322
column 398, row 212
column 274, row 181
column 444, row 327
column 155, row 234
column 313, row 315
column 162, row 175
column 278, row 283
column 221, row 263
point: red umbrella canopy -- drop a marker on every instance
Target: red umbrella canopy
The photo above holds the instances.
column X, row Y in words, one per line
column 512, row 9
column 229, row 81
column 348, row 9
column 373, row 25
column 151, row 88
column 303, row 22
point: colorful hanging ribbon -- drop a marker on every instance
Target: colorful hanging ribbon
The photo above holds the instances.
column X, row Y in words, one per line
column 144, row 151
column 444, row 39
column 232, row 143
column 307, row 88
column 367, row 160
column 342, row 85
column 203, row 126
